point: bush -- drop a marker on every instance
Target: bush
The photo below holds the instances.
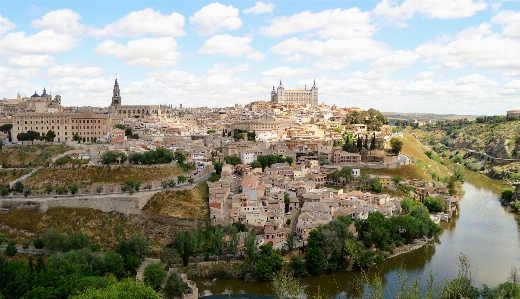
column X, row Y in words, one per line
column 434, row 205
column 154, row 275
column 507, row 194
column 38, row 243
column 174, row 286
column 11, row 250
column 26, row 244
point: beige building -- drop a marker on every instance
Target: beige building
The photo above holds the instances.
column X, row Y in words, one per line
column 301, row 97
column 513, row 113
column 64, row 125
column 36, row 103
column 136, row 111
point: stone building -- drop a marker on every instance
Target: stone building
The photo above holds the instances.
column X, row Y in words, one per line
column 136, row 111
column 64, row 125
column 301, row 97
column 36, row 103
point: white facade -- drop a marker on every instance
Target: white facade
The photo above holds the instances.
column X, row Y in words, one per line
column 283, row 96
column 247, row 158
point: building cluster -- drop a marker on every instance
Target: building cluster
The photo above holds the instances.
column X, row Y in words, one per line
column 280, row 199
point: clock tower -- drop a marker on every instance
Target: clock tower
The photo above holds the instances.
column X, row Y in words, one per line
column 116, row 96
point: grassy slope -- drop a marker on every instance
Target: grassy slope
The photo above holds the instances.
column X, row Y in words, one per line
column 86, row 176
column 420, row 169
column 98, row 225
column 8, row 175
column 34, row 154
column 189, row 203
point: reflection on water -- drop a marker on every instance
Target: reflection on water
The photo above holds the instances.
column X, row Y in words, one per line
column 483, row 230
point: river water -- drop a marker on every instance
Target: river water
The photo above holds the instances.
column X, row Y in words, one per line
column 484, row 231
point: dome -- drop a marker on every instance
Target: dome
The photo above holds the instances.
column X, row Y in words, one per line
column 35, row 95
column 44, row 94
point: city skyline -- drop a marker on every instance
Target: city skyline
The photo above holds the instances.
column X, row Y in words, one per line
column 453, row 56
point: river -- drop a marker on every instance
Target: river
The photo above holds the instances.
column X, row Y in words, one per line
column 484, row 231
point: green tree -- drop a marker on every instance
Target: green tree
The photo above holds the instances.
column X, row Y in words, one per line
column 297, row 266
column 233, row 160
column 191, row 180
column 169, row 256
column 218, row 166
column 289, row 242
column 48, row 189
column 73, row 188
column 179, row 156
column 50, row 136
column 7, row 129
column 174, row 286
column 128, row 132
column 434, row 204
column 250, row 244
column 4, row 192
column 314, row 260
column 27, row 192
column 120, row 127
column 11, row 250
column 396, row 144
column 256, row 164
column 458, row 172
column 154, row 275
column 121, row 290
column 375, row 184
column 33, row 135
column 507, row 194
column 289, row 160
column 60, row 190
column 181, row 179
column 76, row 137
column 18, row 187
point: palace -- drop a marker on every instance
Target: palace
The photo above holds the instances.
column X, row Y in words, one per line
column 136, row 111
column 302, row 97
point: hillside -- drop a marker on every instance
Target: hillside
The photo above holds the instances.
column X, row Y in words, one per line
column 501, row 139
column 8, row 175
column 187, row 203
column 35, row 155
column 86, row 176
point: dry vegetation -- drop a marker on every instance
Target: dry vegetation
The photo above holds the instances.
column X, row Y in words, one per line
column 8, row 175
column 86, row 176
column 188, row 203
column 405, row 172
column 36, row 155
column 20, row 224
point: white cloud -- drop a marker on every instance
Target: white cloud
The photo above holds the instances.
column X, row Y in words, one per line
column 511, row 73
column 143, row 22
column 43, row 42
column 334, row 53
column 61, row 20
column 513, row 84
column 337, row 23
column 424, row 76
column 439, row 9
column 259, row 8
column 477, row 46
column 69, row 70
column 146, row 52
column 232, row 46
column 215, row 16
column 477, row 79
column 256, row 56
column 395, row 60
column 510, row 22
column 220, row 68
column 31, row 61
column 285, row 72
column 5, row 25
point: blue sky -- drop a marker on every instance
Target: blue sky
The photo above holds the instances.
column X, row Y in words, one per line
column 444, row 56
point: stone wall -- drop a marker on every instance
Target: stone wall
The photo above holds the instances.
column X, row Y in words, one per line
column 125, row 204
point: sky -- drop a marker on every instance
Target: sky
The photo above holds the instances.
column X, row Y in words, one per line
column 442, row 56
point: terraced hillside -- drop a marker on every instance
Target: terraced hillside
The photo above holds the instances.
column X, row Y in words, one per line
column 500, row 140
column 188, row 203
column 86, row 176
column 8, row 175
column 34, row 155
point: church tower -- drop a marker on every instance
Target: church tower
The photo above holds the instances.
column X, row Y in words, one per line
column 116, row 96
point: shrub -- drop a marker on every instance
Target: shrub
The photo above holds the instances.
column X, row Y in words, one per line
column 11, row 250
column 38, row 243
column 154, row 275
column 26, row 244
column 434, row 204
column 507, row 194
column 174, row 286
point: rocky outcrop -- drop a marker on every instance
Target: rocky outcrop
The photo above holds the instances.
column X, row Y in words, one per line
column 516, row 195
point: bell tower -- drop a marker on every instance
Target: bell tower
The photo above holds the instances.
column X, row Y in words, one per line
column 116, row 95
